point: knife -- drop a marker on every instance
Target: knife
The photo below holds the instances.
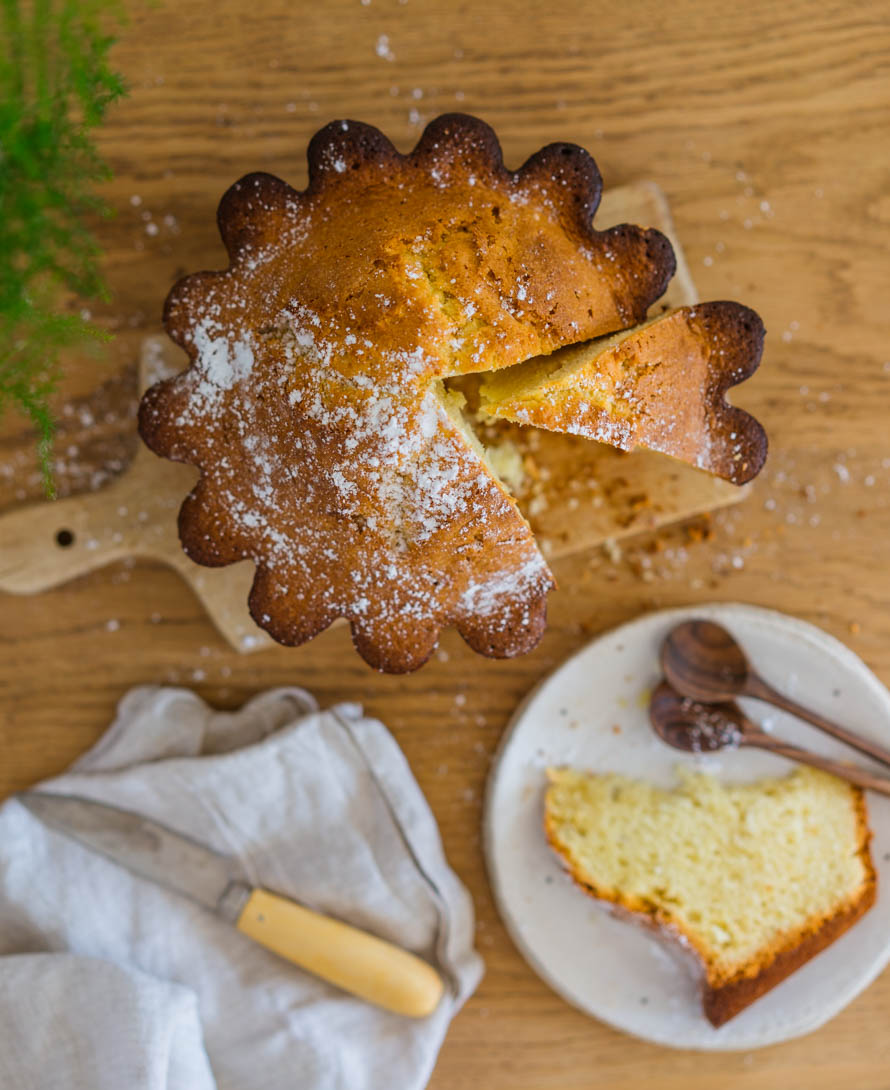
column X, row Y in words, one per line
column 354, row 960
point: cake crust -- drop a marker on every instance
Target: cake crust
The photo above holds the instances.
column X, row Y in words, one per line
column 312, row 402
column 724, row 1001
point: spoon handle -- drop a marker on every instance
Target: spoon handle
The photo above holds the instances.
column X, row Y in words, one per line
column 760, row 690
column 846, row 772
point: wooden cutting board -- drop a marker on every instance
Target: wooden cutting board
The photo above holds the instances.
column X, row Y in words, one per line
column 577, row 494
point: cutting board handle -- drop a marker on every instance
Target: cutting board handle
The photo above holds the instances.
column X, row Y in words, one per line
column 49, row 543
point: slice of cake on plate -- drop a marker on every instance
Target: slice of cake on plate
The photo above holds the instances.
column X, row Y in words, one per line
column 754, row 879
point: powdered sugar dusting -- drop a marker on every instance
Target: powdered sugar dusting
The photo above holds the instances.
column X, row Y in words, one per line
column 223, row 363
column 488, row 596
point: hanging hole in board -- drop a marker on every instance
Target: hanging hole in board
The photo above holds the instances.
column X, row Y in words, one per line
column 65, row 538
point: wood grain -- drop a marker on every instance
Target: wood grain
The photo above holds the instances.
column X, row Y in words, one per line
column 766, row 125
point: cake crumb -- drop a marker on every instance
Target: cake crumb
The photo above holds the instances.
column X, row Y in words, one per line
column 383, row 49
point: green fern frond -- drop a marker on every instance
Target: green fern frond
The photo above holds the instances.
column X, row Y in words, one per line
column 55, row 87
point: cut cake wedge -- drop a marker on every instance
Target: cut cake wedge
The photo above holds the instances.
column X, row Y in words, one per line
column 660, row 385
column 754, row 879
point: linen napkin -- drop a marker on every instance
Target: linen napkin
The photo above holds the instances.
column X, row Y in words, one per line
column 110, row 982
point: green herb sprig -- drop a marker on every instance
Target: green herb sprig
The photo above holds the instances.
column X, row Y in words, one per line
column 55, row 87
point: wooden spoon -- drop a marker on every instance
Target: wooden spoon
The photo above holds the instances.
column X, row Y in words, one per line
column 702, row 661
column 706, row 728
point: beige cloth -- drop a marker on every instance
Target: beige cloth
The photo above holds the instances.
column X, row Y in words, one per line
column 108, row 981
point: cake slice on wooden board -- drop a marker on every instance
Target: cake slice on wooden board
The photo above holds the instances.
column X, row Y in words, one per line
column 754, row 879
column 660, row 385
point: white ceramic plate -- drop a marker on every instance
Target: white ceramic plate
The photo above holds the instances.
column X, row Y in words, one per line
column 592, row 713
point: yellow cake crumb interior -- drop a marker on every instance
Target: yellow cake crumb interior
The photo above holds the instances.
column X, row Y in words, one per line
column 533, row 378
column 734, row 867
column 503, row 459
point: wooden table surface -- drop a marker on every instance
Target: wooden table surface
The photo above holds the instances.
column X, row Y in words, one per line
column 767, row 126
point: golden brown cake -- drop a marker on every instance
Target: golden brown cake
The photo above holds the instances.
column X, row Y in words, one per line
column 330, row 452
column 661, row 386
column 754, row 879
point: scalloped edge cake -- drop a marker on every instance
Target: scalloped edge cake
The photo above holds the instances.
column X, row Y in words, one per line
column 331, row 451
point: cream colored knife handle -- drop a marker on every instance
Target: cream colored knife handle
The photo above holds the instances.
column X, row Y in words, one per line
column 353, row 960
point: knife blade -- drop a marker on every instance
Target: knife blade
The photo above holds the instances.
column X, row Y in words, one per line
column 352, row 959
column 146, row 848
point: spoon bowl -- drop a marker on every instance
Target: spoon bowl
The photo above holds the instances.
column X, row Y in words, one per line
column 694, row 727
column 703, row 661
